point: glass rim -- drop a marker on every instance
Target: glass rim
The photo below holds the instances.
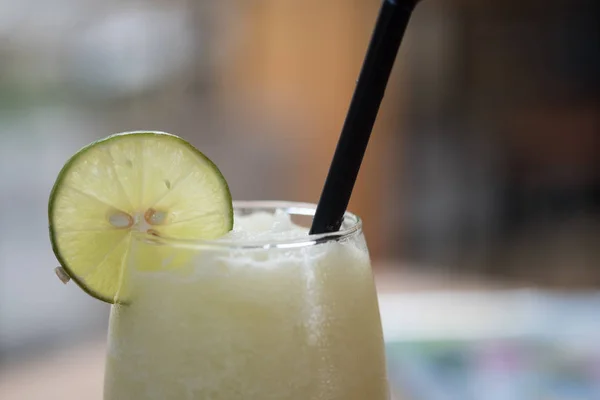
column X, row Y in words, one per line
column 352, row 221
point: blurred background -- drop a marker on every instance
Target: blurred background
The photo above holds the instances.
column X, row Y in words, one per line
column 482, row 177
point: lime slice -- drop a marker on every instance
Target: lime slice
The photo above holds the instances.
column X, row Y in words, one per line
column 149, row 182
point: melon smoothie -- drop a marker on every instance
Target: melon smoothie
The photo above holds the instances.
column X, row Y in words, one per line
column 264, row 313
column 213, row 299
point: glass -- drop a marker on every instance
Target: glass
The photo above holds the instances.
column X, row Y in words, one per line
column 283, row 319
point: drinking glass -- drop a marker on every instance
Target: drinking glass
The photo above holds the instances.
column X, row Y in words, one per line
column 285, row 317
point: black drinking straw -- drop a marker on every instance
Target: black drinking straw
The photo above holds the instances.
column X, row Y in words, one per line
column 370, row 88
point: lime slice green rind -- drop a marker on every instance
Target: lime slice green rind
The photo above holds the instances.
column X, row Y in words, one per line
column 111, row 183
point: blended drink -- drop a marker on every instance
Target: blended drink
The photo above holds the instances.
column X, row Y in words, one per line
column 213, row 300
column 277, row 323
